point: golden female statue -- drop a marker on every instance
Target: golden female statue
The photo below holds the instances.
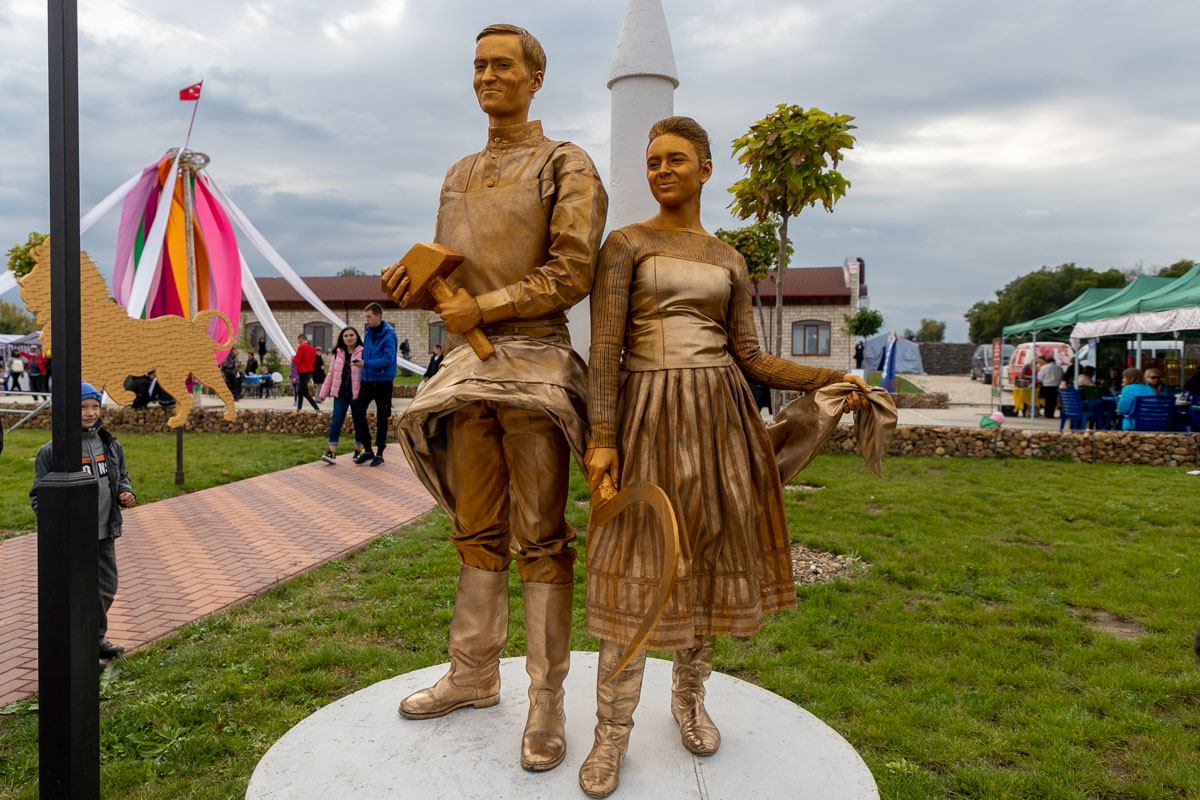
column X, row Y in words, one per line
column 673, row 342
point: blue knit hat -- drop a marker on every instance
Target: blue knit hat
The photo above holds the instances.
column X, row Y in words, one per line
column 88, row 392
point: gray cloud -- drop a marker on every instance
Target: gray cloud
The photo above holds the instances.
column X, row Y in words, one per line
column 992, row 139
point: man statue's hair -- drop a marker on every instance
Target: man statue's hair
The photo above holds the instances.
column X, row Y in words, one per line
column 374, row 308
column 531, row 48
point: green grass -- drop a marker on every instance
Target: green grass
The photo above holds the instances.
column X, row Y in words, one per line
column 209, row 459
column 903, row 385
column 961, row 666
column 406, row 378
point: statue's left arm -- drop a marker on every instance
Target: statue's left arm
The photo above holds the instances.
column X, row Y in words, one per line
column 580, row 207
column 764, row 368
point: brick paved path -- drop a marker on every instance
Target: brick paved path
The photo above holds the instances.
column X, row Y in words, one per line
column 186, row 557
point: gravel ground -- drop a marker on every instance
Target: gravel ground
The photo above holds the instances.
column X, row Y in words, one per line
column 814, row 566
column 960, row 387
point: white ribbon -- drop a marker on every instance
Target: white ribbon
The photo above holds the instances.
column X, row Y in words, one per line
column 272, row 256
column 148, row 265
column 258, row 304
column 7, row 281
column 104, row 206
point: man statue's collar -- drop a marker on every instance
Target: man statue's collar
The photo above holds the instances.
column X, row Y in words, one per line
column 503, row 135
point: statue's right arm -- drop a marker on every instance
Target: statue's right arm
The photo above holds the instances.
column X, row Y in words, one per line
column 610, row 308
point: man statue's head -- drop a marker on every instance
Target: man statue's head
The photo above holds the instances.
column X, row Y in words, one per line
column 509, row 67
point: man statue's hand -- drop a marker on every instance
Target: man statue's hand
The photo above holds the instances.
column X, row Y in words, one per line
column 460, row 313
column 857, row 401
column 601, row 461
column 395, row 283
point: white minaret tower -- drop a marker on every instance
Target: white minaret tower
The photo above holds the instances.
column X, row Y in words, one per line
column 643, row 81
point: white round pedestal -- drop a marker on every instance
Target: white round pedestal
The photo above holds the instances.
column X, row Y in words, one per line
column 359, row 748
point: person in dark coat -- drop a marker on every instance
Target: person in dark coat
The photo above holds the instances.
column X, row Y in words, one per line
column 858, row 355
column 435, row 363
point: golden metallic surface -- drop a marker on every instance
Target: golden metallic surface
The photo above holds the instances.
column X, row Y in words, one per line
column 607, row 504
column 426, row 266
column 616, row 700
column 171, row 347
column 478, row 633
column 677, row 315
column 547, row 659
column 802, row 427
column 690, row 669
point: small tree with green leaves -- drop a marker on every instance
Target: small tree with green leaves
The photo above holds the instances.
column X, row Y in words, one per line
column 930, row 330
column 866, row 323
column 759, row 246
column 13, row 319
column 790, row 158
column 20, row 262
column 349, row 272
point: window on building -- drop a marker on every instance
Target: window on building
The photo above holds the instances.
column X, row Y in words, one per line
column 810, row 337
column 254, row 332
column 437, row 335
column 320, row 334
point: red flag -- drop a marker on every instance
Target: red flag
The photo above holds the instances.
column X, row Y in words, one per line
column 192, row 92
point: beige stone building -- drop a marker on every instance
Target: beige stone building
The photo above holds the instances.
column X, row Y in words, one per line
column 816, row 302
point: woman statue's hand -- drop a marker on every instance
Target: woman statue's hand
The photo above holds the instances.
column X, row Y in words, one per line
column 601, row 461
column 858, row 400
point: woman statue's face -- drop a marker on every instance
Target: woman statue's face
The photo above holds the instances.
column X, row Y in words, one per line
column 673, row 170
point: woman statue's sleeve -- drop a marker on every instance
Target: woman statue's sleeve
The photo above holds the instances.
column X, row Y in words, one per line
column 610, row 307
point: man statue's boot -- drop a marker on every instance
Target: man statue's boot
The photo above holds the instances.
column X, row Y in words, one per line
column 691, row 669
column 478, row 632
column 547, row 659
column 615, row 704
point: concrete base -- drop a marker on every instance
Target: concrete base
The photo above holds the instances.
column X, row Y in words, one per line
column 359, row 747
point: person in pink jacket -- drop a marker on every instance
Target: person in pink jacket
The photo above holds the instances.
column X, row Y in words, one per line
column 342, row 383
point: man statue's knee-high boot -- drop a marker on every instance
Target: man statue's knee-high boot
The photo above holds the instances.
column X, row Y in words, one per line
column 615, row 704
column 478, row 632
column 547, row 659
column 691, row 669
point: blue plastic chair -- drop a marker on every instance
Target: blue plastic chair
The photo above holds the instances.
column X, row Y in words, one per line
column 1153, row 413
column 1073, row 409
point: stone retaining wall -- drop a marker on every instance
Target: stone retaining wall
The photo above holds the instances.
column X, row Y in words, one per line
column 946, row 358
column 926, row 400
column 1100, row 447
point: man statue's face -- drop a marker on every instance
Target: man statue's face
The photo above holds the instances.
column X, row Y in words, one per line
column 503, row 84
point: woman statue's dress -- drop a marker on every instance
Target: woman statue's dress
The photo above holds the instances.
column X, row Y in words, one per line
column 673, row 343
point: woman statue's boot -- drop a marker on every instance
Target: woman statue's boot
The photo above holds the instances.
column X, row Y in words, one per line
column 547, row 659
column 691, row 669
column 615, row 704
column 478, row 632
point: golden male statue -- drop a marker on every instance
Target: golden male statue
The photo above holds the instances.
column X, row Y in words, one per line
column 492, row 439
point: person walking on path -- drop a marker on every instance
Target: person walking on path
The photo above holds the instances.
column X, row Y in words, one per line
column 492, row 440
column 1050, row 377
column 858, row 355
column 16, row 368
column 378, row 365
column 305, row 361
column 262, row 348
column 343, row 383
column 435, row 363
column 38, row 370
column 319, row 367
column 405, row 350
column 104, row 460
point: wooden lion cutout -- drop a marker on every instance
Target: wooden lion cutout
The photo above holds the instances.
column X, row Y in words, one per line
column 115, row 346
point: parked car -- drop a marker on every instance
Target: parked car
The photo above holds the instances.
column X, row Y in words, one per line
column 1022, row 357
column 981, row 361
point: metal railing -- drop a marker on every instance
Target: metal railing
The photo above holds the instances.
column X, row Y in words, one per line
column 26, row 415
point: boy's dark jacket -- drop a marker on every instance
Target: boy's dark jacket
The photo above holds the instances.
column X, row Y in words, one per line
column 118, row 476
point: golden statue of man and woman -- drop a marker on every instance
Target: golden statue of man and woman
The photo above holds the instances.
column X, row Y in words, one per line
column 664, row 400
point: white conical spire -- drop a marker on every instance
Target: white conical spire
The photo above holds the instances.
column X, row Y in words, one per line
column 645, row 44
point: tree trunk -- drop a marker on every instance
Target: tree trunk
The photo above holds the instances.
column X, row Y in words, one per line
column 762, row 320
column 783, row 226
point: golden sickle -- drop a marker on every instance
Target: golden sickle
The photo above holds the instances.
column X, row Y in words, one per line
column 607, row 503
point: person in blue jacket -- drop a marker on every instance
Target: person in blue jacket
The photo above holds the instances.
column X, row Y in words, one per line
column 1132, row 388
column 378, row 365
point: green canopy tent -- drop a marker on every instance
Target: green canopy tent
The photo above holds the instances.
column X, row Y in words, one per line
column 1063, row 316
column 1172, row 307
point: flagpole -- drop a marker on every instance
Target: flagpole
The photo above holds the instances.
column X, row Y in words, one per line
column 195, row 106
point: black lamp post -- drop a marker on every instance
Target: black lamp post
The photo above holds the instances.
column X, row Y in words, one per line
column 68, row 657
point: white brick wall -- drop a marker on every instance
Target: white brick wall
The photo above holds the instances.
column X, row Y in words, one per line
column 411, row 324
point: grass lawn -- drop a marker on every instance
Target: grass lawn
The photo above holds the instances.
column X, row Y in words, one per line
column 978, row 658
column 209, row 459
column 903, row 385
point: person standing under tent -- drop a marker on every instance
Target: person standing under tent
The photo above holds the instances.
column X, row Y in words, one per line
column 1049, row 378
column 305, row 361
column 378, row 365
column 492, row 439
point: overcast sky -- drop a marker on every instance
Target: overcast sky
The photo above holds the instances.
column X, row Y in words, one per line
column 992, row 138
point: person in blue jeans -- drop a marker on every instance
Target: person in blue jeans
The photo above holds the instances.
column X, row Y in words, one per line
column 343, row 382
column 378, row 364
column 1132, row 389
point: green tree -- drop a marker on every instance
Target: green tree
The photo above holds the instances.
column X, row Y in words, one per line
column 759, row 245
column 908, row 334
column 1181, row 267
column 349, row 272
column 1034, row 295
column 20, row 262
column 930, row 330
column 790, row 158
column 866, row 323
column 13, row 319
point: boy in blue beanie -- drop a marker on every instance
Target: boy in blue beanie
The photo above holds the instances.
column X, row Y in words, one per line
column 104, row 460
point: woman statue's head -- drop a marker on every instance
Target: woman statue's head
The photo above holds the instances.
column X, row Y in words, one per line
column 678, row 160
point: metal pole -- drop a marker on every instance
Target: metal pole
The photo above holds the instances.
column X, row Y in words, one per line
column 1033, row 379
column 189, row 236
column 179, row 456
column 68, row 660
column 1138, row 357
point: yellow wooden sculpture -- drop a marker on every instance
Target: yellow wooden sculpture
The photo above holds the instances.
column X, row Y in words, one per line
column 115, row 346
